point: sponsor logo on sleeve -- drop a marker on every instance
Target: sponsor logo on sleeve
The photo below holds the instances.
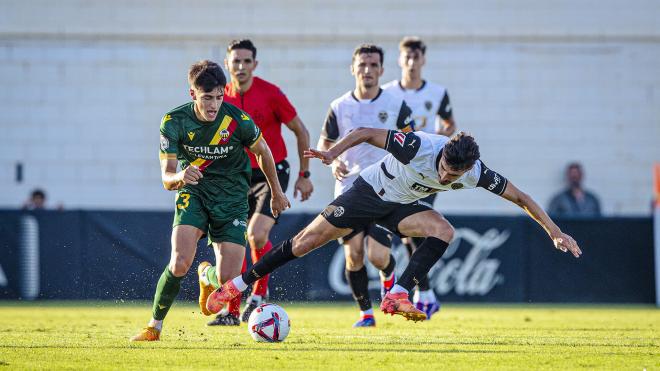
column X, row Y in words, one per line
column 495, row 183
column 456, row 186
column 164, row 143
column 244, row 117
column 400, row 138
column 166, row 119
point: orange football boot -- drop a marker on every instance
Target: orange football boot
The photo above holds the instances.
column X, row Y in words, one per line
column 204, row 289
column 147, row 334
column 399, row 304
column 216, row 301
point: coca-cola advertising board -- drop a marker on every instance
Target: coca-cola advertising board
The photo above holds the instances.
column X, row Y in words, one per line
column 119, row 255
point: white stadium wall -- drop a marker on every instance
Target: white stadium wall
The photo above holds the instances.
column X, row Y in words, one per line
column 83, row 85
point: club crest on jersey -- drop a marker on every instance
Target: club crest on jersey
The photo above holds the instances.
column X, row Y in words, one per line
column 224, row 134
column 456, row 186
column 191, row 135
column 428, row 105
column 333, row 210
column 328, row 210
column 164, row 143
column 382, row 116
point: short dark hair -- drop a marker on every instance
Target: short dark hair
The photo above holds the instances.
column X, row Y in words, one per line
column 574, row 165
column 38, row 193
column 461, row 152
column 368, row 48
column 206, row 75
column 414, row 43
column 242, row 44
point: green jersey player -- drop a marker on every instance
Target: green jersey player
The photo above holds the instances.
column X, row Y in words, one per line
column 208, row 139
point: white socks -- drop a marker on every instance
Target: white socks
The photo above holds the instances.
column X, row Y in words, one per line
column 157, row 324
column 205, row 278
column 368, row 312
column 426, row 296
column 239, row 283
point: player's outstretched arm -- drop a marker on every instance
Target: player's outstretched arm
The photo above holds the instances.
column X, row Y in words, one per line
column 278, row 201
column 339, row 168
column 303, row 185
column 561, row 240
column 173, row 180
column 375, row 137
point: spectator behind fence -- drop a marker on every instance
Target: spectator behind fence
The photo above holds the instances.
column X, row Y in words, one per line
column 37, row 200
column 574, row 201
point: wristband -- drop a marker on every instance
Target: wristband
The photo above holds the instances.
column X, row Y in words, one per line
column 304, row 174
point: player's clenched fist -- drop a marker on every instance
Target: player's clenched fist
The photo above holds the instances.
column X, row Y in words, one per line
column 190, row 175
column 279, row 203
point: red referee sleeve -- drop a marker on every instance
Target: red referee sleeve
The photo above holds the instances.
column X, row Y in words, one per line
column 283, row 109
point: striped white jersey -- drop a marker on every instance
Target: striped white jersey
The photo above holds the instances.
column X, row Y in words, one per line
column 410, row 171
column 427, row 103
column 348, row 113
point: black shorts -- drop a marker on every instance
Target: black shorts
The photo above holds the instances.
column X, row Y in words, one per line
column 360, row 207
column 379, row 233
column 259, row 194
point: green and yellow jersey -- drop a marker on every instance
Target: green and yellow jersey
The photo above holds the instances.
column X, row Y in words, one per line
column 217, row 148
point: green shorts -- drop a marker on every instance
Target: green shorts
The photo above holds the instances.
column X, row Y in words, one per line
column 213, row 218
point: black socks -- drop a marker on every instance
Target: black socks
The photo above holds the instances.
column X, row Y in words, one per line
column 421, row 261
column 275, row 258
column 423, row 284
column 390, row 267
column 359, row 283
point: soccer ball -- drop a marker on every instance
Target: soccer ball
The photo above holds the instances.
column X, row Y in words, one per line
column 269, row 323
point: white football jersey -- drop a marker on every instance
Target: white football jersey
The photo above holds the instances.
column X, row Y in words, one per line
column 348, row 113
column 410, row 171
column 427, row 102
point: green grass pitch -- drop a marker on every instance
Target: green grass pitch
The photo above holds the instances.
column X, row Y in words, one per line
column 75, row 335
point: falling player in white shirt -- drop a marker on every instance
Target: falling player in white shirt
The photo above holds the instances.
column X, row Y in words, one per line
column 388, row 192
column 432, row 113
column 367, row 105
